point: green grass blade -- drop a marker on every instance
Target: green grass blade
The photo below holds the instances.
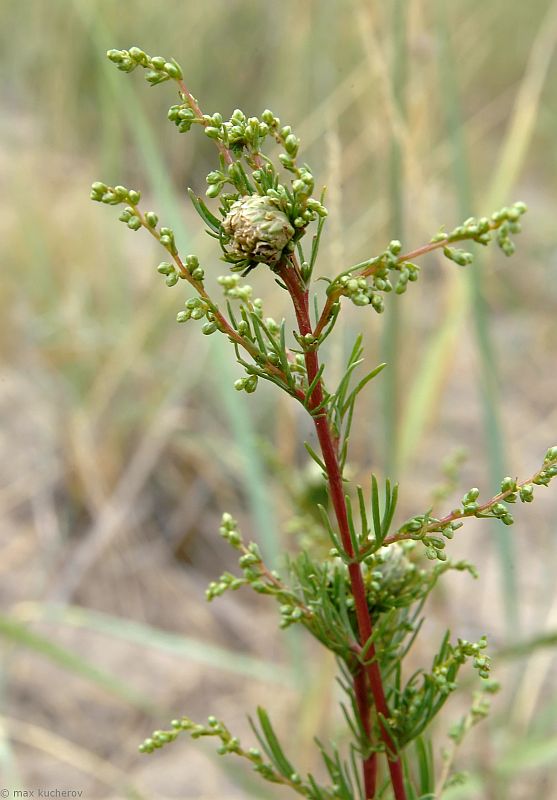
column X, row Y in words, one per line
column 392, row 336
column 487, row 359
column 18, row 633
column 147, row 636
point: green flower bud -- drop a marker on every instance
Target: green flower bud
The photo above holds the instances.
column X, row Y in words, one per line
column 251, row 384
column 268, row 117
column 470, row 496
column 508, row 485
column 134, row 223
column 216, row 177
column 286, row 161
column 173, row 70
column 116, row 56
column 291, row 144
column 459, row 257
column 151, row 219
column 138, row 55
column 172, row 279
column 168, row 242
column 134, row 196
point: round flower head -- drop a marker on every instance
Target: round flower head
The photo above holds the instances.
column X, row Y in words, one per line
column 258, row 230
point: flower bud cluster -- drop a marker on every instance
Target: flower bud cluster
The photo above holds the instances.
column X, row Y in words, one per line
column 197, row 308
column 159, row 69
column 228, row 744
column 364, row 289
column 232, row 288
column 391, row 579
column 549, row 469
column 173, row 274
column 114, row 195
column 249, row 562
column 158, row 739
column 225, row 582
column 419, row 527
column 248, row 385
column 423, row 527
column 238, row 132
column 415, row 704
column 229, row 531
column 473, row 650
column 361, row 292
column 460, row 257
column 506, row 221
column 182, row 116
column 471, row 508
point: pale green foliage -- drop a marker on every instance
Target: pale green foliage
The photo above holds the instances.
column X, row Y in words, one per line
column 265, row 210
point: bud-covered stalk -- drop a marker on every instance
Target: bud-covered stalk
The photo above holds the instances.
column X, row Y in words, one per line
column 351, row 600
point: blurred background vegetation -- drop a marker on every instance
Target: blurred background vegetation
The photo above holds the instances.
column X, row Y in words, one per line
column 123, row 440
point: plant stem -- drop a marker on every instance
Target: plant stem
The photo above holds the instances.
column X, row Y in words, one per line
column 220, row 319
column 460, row 513
column 367, row 268
column 291, row 276
column 369, row 766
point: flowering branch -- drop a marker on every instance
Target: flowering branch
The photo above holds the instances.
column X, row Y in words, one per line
column 363, row 600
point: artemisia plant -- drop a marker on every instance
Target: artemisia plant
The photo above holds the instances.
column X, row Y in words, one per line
column 363, row 601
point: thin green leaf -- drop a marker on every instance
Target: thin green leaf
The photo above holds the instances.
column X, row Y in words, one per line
column 204, row 212
column 376, row 510
column 19, row 633
column 315, row 457
column 355, row 392
column 313, row 384
column 351, row 528
column 363, row 514
column 390, row 508
column 279, row 759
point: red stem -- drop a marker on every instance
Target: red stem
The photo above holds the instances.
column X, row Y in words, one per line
column 291, row 276
column 369, row 766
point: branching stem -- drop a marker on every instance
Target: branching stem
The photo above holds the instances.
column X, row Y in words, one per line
column 462, row 513
column 367, row 268
column 300, row 298
column 220, row 319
